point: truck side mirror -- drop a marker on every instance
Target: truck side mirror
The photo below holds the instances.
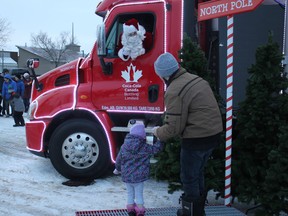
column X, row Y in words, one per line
column 101, row 40
column 33, row 63
column 101, row 49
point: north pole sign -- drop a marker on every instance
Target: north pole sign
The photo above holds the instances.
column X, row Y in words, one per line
column 215, row 9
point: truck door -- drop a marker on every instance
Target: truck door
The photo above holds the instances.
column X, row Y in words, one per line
column 132, row 85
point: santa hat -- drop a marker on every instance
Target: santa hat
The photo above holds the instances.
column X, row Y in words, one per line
column 130, row 26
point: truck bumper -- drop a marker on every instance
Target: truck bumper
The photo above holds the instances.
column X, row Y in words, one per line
column 35, row 136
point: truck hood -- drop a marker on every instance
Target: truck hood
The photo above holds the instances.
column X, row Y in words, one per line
column 65, row 75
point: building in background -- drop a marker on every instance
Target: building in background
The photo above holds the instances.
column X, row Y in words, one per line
column 8, row 60
column 46, row 62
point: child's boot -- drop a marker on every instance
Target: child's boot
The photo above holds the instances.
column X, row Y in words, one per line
column 131, row 210
column 140, row 211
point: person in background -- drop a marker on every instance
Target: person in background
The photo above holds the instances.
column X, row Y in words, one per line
column 192, row 113
column 20, row 85
column 9, row 86
column 27, row 92
column 18, row 107
column 2, row 101
column 1, row 98
column 133, row 162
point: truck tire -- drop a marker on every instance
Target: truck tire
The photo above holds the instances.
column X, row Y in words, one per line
column 78, row 149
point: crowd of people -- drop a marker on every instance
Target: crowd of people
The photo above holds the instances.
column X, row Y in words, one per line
column 15, row 92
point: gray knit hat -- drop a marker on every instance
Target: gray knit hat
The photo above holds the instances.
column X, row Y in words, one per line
column 166, row 65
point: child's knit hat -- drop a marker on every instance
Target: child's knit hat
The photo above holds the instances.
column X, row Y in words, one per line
column 139, row 130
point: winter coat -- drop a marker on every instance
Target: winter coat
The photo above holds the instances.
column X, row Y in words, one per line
column 17, row 103
column 20, row 88
column 191, row 108
column 1, row 83
column 133, row 159
column 28, row 86
column 8, row 88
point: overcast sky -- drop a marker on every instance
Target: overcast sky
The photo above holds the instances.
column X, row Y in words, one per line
column 53, row 17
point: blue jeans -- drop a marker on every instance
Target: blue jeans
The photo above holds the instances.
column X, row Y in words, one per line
column 6, row 107
column 192, row 171
column 135, row 193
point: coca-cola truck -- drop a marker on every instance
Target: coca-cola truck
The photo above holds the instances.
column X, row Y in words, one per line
column 81, row 111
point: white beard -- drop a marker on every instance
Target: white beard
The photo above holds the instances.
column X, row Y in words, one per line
column 132, row 46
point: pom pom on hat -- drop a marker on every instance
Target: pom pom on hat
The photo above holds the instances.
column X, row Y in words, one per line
column 130, row 26
column 26, row 75
column 166, row 65
column 139, row 130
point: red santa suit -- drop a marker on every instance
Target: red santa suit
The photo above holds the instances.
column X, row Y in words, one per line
column 132, row 40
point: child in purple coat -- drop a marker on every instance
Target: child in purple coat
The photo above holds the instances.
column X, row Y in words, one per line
column 133, row 162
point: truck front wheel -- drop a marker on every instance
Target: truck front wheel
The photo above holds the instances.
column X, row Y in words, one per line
column 78, row 149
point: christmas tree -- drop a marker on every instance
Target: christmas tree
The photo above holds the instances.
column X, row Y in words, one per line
column 260, row 165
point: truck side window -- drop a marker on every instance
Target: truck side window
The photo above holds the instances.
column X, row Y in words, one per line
column 113, row 42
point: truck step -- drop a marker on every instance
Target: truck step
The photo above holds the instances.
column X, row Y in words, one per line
column 169, row 211
column 126, row 129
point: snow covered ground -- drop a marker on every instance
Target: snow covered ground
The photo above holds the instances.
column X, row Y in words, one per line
column 29, row 185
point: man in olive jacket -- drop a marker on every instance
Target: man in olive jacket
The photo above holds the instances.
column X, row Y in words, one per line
column 193, row 114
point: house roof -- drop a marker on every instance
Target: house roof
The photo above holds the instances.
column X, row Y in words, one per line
column 68, row 56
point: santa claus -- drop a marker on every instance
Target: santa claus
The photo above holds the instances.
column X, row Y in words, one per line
column 134, row 40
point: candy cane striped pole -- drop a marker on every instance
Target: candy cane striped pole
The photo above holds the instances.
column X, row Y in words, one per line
column 229, row 109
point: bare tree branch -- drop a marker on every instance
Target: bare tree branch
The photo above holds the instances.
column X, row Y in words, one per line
column 54, row 49
column 4, row 31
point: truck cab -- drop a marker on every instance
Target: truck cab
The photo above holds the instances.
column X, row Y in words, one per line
column 80, row 112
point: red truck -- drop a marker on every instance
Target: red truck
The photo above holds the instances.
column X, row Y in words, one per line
column 81, row 111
